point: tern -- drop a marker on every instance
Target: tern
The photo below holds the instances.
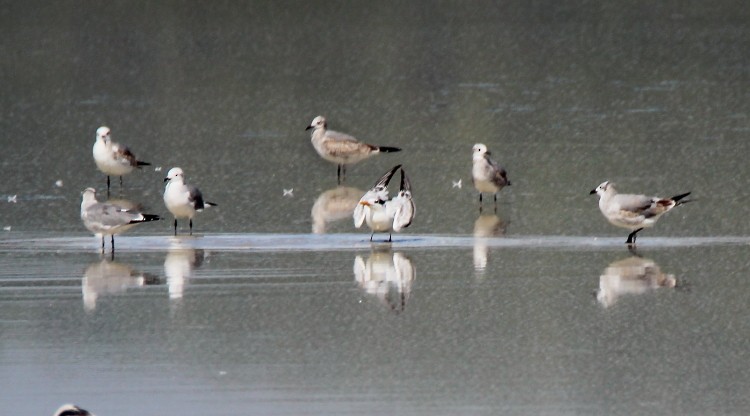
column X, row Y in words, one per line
column 340, row 148
column 181, row 199
column 382, row 214
column 113, row 158
column 634, row 212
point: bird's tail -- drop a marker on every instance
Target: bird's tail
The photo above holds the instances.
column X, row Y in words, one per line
column 150, row 217
column 140, row 163
column 210, row 204
column 388, row 149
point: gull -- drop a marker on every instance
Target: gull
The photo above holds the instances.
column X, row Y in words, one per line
column 383, row 214
column 72, row 410
column 633, row 275
column 634, row 212
column 486, row 175
column 110, row 277
column 181, row 199
column 113, row 158
column 334, row 205
column 109, row 219
column 339, row 148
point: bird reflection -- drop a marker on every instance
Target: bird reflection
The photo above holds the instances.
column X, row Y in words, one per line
column 486, row 226
column 633, row 275
column 334, row 205
column 109, row 277
column 179, row 266
column 386, row 275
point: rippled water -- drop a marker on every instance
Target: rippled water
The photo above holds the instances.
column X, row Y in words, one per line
column 279, row 306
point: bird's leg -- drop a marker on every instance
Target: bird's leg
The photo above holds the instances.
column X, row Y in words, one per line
column 113, row 245
column 191, row 226
column 631, row 237
column 107, row 188
column 120, row 181
column 480, row 198
column 102, row 243
column 372, row 234
column 338, row 174
column 175, row 226
column 390, row 237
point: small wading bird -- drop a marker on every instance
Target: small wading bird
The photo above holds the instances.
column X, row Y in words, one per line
column 181, row 199
column 382, row 214
column 486, row 175
column 113, row 158
column 109, row 219
column 634, row 212
column 339, row 148
column 72, row 410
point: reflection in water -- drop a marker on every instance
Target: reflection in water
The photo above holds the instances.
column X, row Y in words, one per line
column 334, row 205
column 109, row 277
column 179, row 266
column 633, row 275
column 486, row 226
column 386, row 275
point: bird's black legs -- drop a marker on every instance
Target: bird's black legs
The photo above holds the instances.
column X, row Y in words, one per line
column 631, row 237
column 372, row 234
column 191, row 226
column 390, row 237
column 107, row 188
column 341, row 173
column 120, row 181
column 175, row 226
column 102, row 243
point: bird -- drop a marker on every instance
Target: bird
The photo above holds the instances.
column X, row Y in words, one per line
column 486, row 175
column 113, row 158
column 634, row 212
column 340, row 148
column 181, row 199
column 109, row 219
column 382, row 214
column 72, row 410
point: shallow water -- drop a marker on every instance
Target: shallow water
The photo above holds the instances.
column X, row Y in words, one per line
column 279, row 306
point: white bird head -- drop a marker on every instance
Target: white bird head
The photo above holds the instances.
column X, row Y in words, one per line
column 72, row 410
column 175, row 173
column 480, row 150
column 318, row 122
column 603, row 188
column 102, row 133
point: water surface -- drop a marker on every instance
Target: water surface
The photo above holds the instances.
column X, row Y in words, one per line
column 278, row 306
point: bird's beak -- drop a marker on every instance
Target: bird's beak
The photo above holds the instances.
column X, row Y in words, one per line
column 166, row 179
column 308, row 127
column 593, row 191
column 365, row 203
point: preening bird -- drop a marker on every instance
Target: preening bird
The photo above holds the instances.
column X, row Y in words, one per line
column 381, row 213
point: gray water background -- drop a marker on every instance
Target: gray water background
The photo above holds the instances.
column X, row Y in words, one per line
column 653, row 96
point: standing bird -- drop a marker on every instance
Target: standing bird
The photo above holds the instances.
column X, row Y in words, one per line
column 634, row 212
column 339, row 148
column 181, row 199
column 383, row 214
column 109, row 219
column 486, row 175
column 113, row 158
